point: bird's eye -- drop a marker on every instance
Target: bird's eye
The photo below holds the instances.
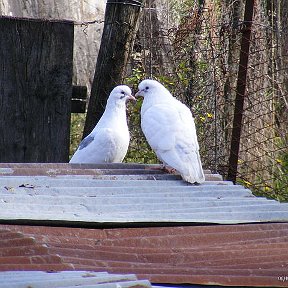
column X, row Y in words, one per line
column 123, row 95
column 146, row 87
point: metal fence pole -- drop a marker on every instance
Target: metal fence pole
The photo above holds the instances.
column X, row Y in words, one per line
column 240, row 92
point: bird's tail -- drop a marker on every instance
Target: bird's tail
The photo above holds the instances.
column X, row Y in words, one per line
column 196, row 173
column 192, row 178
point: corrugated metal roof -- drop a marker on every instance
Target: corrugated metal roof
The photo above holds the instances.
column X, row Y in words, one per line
column 229, row 255
column 138, row 195
column 124, row 194
column 38, row 279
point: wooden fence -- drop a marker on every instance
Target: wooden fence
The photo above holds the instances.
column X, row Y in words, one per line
column 36, row 67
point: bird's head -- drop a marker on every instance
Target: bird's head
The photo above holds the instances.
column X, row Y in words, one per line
column 121, row 94
column 150, row 87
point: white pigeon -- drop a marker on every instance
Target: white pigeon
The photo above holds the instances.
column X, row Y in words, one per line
column 169, row 128
column 109, row 140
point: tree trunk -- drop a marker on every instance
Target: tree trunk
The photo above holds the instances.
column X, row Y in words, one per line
column 121, row 19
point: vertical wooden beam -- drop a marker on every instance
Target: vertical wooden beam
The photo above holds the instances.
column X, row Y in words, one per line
column 240, row 93
column 35, row 89
column 121, row 19
column 79, row 98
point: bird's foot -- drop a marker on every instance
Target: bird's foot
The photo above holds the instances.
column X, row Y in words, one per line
column 169, row 169
column 164, row 168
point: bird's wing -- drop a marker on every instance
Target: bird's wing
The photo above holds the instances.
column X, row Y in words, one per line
column 165, row 126
column 99, row 147
column 86, row 141
column 170, row 131
column 156, row 124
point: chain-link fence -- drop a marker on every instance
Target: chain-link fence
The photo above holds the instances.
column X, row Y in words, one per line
column 195, row 53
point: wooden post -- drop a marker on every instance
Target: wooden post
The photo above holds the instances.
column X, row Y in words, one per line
column 79, row 98
column 121, row 18
column 35, row 89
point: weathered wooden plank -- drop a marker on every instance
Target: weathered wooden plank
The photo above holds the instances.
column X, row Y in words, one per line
column 36, row 85
column 79, row 99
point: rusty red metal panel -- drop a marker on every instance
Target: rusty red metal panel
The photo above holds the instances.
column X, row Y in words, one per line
column 241, row 255
column 22, row 252
column 54, row 169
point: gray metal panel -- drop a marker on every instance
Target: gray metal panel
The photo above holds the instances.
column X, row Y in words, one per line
column 39, row 279
column 90, row 181
column 19, row 276
column 128, row 198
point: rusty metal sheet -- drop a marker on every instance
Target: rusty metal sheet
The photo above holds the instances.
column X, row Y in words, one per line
column 101, row 171
column 73, row 166
column 18, row 251
column 229, row 255
column 103, row 174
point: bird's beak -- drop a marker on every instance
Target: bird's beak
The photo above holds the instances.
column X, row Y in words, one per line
column 138, row 94
column 132, row 98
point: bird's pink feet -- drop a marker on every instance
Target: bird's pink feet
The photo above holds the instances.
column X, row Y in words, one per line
column 169, row 169
column 165, row 168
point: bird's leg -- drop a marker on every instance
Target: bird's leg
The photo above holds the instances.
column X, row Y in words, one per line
column 164, row 167
column 168, row 169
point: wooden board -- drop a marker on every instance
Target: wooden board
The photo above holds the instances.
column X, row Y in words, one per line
column 36, row 86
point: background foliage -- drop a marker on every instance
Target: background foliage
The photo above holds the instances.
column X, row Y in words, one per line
column 193, row 48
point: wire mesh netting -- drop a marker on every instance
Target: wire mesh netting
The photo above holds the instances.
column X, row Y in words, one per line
column 193, row 48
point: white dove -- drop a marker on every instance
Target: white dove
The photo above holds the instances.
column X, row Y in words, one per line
column 109, row 140
column 169, row 128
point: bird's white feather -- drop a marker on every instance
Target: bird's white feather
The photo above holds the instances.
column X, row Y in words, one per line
column 109, row 140
column 170, row 130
